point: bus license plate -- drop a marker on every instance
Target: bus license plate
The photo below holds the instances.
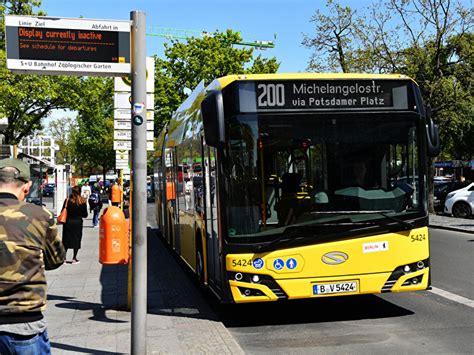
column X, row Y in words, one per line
column 339, row 287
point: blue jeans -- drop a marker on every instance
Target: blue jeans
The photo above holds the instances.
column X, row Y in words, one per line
column 25, row 345
column 95, row 218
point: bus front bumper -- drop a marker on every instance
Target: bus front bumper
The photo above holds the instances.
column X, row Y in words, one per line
column 263, row 288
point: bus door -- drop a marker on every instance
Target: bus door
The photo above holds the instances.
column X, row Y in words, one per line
column 212, row 228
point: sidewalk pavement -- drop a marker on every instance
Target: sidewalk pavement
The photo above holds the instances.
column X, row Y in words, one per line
column 86, row 311
column 440, row 221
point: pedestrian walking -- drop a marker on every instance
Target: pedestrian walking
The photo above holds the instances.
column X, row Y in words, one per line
column 29, row 245
column 72, row 230
column 86, row 191
column 95, row 204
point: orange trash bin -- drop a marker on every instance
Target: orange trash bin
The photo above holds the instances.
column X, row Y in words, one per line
column 114, row 241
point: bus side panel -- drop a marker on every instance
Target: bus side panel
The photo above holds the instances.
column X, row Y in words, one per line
column 188, row 240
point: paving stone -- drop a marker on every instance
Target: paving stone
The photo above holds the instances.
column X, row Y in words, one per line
column 86, row 310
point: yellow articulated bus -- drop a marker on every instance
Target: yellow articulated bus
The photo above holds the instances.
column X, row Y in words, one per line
column 290, row 186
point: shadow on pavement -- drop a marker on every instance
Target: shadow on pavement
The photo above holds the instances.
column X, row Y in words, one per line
column 172, row 289
column 98, row 310
column 310, row 311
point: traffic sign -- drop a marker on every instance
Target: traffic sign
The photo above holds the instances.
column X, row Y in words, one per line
column 124, row 83
column 126, row 135
column 49, row 45
column 121, row 155
column 127, row 124
column 126, row 113
column 127, row 145
column 124, row 100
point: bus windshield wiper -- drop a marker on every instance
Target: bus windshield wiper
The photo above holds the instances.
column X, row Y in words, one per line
column 407, row 224
column 299, row 232
column 381, row 213
column 294, row 233
column 287, row 233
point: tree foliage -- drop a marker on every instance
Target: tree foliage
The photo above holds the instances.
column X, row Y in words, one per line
column 93, row 141
column 187, row 63
column 62, row 130
column 429, row 40
column 333, row 39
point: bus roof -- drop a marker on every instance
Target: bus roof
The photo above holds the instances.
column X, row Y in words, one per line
column 222, row 82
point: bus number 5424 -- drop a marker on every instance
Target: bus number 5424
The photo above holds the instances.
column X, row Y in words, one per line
column 271, row 95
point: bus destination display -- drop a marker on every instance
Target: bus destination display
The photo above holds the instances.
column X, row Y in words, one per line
column 328, row 94
column 42, row 44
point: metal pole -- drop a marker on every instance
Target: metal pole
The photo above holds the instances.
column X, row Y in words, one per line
column 139, row 165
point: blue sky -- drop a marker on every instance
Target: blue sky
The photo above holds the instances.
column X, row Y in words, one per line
column 255, row 19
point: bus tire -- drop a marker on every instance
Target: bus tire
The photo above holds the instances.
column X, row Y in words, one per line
column 461, row 210
column 199, row 261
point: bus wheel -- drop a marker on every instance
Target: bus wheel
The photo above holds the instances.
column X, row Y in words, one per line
column 199, row 265
column 461, row 210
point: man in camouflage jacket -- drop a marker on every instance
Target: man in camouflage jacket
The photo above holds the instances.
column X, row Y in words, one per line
column 29, row 245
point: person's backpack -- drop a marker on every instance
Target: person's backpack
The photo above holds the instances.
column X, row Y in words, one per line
column 94, row 199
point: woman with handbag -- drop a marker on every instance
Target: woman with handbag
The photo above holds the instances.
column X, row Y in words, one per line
column 76, row 209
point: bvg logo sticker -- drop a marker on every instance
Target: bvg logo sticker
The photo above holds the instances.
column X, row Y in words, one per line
column 334, row 258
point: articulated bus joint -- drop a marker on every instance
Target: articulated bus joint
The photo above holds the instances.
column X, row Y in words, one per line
column 417, row 269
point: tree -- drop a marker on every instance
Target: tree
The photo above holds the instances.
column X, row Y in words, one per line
column 93, row 141
column 186, row 64
column 333, row 40
column 27, row 99
column 439, row 57
column 62, row 130
column 428, row 40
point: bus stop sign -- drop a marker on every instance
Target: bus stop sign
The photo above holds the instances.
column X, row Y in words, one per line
column 48, row 45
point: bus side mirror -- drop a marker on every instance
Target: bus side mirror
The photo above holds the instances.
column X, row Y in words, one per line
column 212, row 110
column 432, row 138
column 432, row 135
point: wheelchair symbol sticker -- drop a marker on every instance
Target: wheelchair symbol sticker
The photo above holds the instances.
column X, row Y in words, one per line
column 278, row 264
column 257, row 263
column 291, row 263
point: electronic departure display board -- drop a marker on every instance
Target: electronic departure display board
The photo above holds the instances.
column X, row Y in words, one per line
column 297, row 95
column 67, row 46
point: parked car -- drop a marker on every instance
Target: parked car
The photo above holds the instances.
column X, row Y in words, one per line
column 460, row 203
column 442, row 189
column 442, row 179
column 48, row 189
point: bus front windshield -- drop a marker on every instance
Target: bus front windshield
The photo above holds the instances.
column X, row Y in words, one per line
column 313, row 170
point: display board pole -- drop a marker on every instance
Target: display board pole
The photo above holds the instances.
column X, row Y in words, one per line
column 139, row 166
